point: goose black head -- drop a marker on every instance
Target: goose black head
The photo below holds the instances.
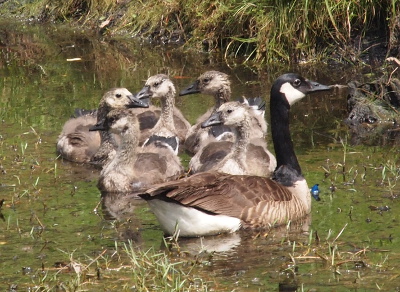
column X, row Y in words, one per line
column 294, row 87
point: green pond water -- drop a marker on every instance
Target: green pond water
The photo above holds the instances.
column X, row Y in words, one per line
column 52, row 214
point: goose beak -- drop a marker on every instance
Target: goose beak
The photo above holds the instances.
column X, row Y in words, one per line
column 191, row 89
column 144, row 93
column 214, row 119
column 138, row 102
column 100, row 126
column 315, row 86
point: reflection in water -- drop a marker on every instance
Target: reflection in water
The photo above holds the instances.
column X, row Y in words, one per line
column 233, row 257
column 373, row 115
column 223, row 243
column 382, row 134
column 121, row 207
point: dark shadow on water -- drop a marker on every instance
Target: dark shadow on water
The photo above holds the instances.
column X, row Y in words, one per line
column 373, row 112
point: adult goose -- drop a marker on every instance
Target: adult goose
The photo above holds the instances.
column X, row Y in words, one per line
column 76, row 143
column 218, row 85
column 239, row 157
column 210, row 203
column 135, row 167
column 170, row 122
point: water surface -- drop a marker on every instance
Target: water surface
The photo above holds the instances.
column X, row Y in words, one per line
column 52, row 212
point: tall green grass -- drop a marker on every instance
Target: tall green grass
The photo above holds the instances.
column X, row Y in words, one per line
column 261, row 30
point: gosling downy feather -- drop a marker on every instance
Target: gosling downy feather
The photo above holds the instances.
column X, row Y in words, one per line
column 134, row 167
column 171, row 121
column 210, row 203
column 239, row 157
column 216, row 84
column 76, row 143
column 119, row 98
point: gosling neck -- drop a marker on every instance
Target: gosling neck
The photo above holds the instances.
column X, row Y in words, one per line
column 221, row 96
column 239, row 150
column 167, row 112
column 127, row 151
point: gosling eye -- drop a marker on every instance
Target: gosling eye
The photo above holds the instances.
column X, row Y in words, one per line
column 206, row 80
column 297, row 82
column 156, row 84
column 118, row 95
column 229, row 111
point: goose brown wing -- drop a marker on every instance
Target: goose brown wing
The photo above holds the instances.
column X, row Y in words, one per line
column 221, row 194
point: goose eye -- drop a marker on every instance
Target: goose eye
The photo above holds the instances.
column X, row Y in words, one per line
column 229, row 111
column 206, row 80
column 118, row 95
column 156, row 84
column 297, row 82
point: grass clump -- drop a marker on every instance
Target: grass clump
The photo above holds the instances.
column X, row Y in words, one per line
column 265, row 31
column 131, row 267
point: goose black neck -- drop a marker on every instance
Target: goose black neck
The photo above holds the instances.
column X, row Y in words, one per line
column 281, row 137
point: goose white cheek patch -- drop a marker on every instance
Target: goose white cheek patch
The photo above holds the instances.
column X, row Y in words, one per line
column 292, row 94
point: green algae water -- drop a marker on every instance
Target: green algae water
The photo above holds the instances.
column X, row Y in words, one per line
column 58, row 235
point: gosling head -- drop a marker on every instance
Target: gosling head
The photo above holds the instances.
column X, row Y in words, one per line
column 122, row 98
column 117, row 122
column 211, row 83
column 229, row 114
column 157, row 86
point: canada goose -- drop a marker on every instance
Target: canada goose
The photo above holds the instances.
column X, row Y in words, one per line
column 209, row 203
column 171, row 122
column 216, row 84
column 76, row 143
column 239, row 157
column 133, row 167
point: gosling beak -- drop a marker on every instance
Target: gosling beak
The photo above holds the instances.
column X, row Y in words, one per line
column 144, row 93
column 135, row 101
column 191, row 89
column 214, row 119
